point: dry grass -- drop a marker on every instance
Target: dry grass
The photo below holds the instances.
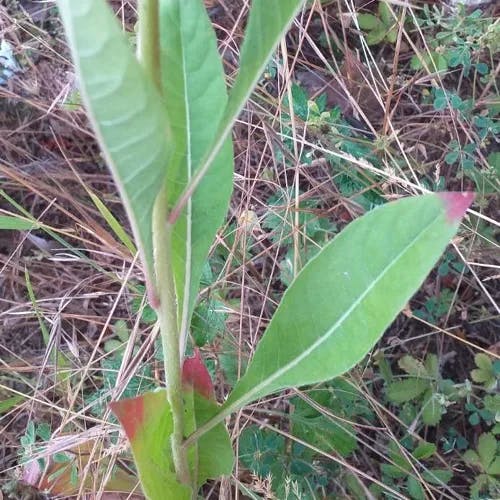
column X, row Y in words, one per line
column 83, row 278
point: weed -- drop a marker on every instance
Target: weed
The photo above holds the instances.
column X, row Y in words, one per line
column 486, row 460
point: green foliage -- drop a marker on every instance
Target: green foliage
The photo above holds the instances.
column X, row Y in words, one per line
column 436, row 307
column 123, row 105
column 323, row 329
column 424, row 387
column 32, row 435
column 486, row 459
column 164, row 126
column 380, row 27
column 148, row 422
column 325, row 425
column 294, row 473
column 444, row 98
column 327, row 127
column 196, row 94
column 314, row 232
column 487, row 372
column 451, row 263
column 12, row 222
column 140, row 383
column 486, row 126
column 453, row 440
column 456, row 38
column 209, row 321
column 399, row 472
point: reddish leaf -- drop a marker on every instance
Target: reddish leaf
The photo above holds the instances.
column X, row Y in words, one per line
column 147, row 421
column 130, row 413
column 195, row 375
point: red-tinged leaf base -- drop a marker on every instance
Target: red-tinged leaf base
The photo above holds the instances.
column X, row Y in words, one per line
column 147, row 421
column 456, row 204
column 130, row 413
column 195, row 375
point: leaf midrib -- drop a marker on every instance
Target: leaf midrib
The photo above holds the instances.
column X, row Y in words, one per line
column 249, row 395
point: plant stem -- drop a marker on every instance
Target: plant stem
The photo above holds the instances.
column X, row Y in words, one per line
column 148, row 39
column 169, row 330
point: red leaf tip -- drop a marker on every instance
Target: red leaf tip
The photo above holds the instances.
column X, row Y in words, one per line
column 195, row 375
column 456, row 203
column 130, row 413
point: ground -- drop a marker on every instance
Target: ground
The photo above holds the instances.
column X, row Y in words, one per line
column 360, row 110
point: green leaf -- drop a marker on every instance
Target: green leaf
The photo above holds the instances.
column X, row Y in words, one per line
column 368, row 22
column 393, row 471
column 452, row 157
column 392, row 35
column 215, row 452
column 424, row 450
column 472, row 458
column 401, row 391
column 344, row 298
column 262, row 34
column 415, row 489
column 431, row 364
column 431, row 409
column 113, row 223
column 125, row 109
column 480, row 376
column 437, row 476
column 415, row 62
column 412, row 366
column 147, row 421
column 483, row 361
column 16, row 223
column 9, row 403
column 385, row 14
column 376, row 36
column 195, row 90
column 325, row 432
column 494, row 468
column 261, row 37
column 486, row 449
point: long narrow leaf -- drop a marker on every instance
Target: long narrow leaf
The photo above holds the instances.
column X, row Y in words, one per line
column 267, row 23
column 125, row 109
column 13, row 222
column 195, row 92
column 344, row 299
column 266, row 26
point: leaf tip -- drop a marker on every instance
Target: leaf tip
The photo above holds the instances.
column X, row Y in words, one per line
column 130, row 413
column 456, row 203
column 195, row 375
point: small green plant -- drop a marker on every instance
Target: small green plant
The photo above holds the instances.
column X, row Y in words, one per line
column 485, row 459
column 400, row 471
column 458, row 40
column 487, row 372
column 424, row 387
column 289, row 467
column 380, row 27
column 163, row 119
column 436, row 307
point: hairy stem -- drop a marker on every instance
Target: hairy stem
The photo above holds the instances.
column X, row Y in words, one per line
column 148, row 36
column 167, row 314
